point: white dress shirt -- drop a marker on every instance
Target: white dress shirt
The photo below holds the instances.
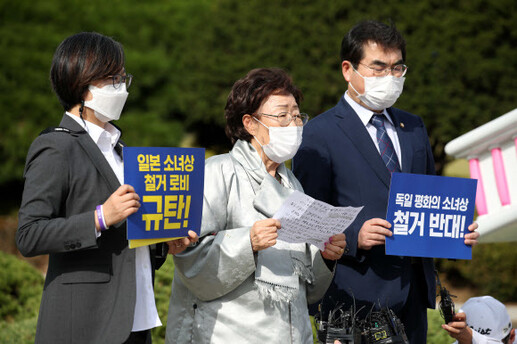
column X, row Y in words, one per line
column 146, row 314
column 365, row 115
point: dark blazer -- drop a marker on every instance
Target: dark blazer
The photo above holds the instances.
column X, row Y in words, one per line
column 89, row 293
column 339, row 163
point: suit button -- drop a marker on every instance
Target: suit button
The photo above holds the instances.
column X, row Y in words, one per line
column 78, row 245
column 67, row 247
column 72, row 246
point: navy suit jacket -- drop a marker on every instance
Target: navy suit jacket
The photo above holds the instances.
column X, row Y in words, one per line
column 339, row 163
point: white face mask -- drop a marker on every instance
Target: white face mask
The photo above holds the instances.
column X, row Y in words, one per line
column 380, row 92
column 107, row 102
column 283, row 142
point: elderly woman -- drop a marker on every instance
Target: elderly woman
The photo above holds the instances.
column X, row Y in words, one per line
column 241, row 285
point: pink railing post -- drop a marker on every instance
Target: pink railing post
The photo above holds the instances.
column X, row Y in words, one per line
column 500, row 176
column 475, row 173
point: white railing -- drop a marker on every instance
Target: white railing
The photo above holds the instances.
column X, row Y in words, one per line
column 491, row 150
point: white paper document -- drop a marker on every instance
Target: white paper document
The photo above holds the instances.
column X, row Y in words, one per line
column 305, row 219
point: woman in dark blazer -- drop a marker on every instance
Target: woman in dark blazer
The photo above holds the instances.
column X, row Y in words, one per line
column 74, row 207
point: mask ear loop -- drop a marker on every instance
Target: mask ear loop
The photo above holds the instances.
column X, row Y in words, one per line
column 262, row 155
column 81, row 109
column 350, row 84
column 261, row 146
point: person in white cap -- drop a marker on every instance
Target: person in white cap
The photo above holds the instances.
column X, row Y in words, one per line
column 481, row 320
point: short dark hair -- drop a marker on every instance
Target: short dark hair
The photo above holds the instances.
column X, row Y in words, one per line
column 386, row 36
column 248, row 94
column 81, row 59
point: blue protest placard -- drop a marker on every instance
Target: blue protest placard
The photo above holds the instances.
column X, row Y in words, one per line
column 430, row 215
column 170, row 184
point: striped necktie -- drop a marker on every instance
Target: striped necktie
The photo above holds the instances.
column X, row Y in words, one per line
column 385, row 145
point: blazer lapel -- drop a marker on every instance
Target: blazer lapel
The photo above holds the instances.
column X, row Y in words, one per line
column 348, row 121
column 93, row 152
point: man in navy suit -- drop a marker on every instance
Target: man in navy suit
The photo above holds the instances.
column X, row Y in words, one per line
column 346, row 159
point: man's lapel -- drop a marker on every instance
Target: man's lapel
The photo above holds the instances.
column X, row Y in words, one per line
column 348, row 121
column 93, row 152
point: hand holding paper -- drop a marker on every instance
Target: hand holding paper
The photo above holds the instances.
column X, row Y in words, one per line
column 305, row 219
column 335, row 247
column 263, row 234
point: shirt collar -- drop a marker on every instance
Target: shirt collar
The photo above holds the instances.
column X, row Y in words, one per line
column 96, row 132
column 364, row 114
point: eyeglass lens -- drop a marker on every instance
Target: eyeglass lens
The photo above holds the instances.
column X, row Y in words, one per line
column 398, row 70
column 119, row 79
column 286, row 118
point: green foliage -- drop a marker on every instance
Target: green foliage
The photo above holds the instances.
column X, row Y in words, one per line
column 460, row 72
column 20, row 295
column 185, row 56
column 461, row 59
column 491, row 271
column 20, row 332
column 31, row 31
column 435, row 333
column 20, row 289
column 314, row 331
column 162, row 293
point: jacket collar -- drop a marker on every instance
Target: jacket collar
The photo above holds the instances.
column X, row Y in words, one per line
column 92, row 151
column 348, row 121
column 269, row 193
